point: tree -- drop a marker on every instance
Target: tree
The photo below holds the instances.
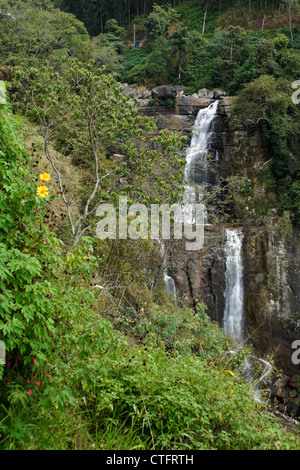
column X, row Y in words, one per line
column 179, row 41
column 84, row 113
column 156, row 68
column 40, row 33
column 160, row 20
column 291, row 5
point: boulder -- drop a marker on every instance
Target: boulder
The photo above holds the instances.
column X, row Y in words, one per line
column 282, row 382
column 190, row 105
column 143, row 103
column 164, row 92
column 293, row 393
column 130, row 91
column 205, row 93
column 146, row 94
column 219, row 94
column 281, row 393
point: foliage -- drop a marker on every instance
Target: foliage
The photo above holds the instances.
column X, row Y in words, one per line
column 160, row 20
column 176, row 401
column 37, row 283
column 84, row 111
column 155, row 68
column 268, row 100
column 98, row 357
column 38, row 32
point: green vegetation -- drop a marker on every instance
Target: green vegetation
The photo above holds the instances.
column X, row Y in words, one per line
column 97, row 356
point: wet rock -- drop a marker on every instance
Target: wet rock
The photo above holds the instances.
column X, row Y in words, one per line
column 294, row 407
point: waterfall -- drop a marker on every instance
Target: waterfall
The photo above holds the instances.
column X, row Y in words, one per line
column 170, row 286
column 234, row 293
column 234, row 303
column 197, row 174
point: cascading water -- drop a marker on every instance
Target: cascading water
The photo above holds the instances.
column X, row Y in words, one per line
column 197, row 174
column 234, row 293
column 234, row 304
column 170, row 286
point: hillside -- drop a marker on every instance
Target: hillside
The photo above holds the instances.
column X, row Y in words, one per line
column 123, row 338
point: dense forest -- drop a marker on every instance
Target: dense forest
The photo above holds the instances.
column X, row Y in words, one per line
column 95, row 14
column 98, row 355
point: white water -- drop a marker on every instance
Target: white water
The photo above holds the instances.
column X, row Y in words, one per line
column 196, row 168
column 170, row 286
column 195, row 174
column 234, row 292
column 234, row 304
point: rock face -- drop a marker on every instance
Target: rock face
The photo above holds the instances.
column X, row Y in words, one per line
column 271, row 248
column 171, row 106
column 272, row 299
column 271, row 251
column 199, row 275
column 286, row 395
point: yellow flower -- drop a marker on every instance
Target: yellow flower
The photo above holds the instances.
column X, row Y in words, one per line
column 45, row 177
column 42, row 191
column 229, row 372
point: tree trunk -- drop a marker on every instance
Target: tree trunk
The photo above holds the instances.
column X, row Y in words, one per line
column 290, row 19
column 203, row 28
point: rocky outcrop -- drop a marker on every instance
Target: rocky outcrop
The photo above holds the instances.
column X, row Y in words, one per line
column 164, row 92
column 199, row 275
column 172, row 108
column 271, row 245
column 285, row 395
column 245, row 150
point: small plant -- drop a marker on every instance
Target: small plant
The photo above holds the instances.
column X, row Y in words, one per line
column 170, row 103
column 153, row 101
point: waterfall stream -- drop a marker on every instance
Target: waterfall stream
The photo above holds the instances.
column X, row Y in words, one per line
column 234, row 305
column 197, row 174
column 170, row 286
column 234, row 293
